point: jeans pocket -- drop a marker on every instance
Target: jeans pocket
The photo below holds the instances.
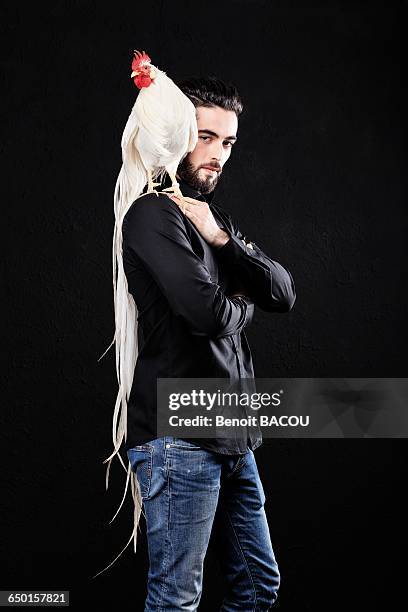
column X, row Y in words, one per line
column 141, row 461
column 181, row 443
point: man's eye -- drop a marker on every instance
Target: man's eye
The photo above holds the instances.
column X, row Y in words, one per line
column 209, row 138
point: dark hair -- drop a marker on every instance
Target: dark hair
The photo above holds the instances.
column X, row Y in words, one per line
column 210, row 91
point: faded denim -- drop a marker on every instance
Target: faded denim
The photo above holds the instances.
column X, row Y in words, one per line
column 188, row 494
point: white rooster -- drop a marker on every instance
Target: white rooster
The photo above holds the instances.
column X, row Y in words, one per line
column 163, row 124
column 160, row 131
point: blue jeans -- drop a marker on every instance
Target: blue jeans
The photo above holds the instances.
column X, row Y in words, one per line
column 188, row 494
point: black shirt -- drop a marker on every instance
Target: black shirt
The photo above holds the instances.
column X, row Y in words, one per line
column 187, row 326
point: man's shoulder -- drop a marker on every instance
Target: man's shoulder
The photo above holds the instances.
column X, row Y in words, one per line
column 150, row 207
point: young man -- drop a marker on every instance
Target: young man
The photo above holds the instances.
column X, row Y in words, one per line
column 195, row 279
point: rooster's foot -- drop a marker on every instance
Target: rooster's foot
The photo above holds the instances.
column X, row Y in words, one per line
column 175, row 190
column 151, row 186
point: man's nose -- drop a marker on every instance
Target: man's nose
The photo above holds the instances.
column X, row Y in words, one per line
column 216, row 152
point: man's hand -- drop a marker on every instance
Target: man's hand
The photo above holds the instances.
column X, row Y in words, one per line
column 201, row 216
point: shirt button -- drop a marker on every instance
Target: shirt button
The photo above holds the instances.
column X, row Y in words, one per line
column 167, row 445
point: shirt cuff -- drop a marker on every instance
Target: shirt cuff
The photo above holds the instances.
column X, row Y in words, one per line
column 233, row 249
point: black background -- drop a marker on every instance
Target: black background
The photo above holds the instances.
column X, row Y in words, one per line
column 316, row 180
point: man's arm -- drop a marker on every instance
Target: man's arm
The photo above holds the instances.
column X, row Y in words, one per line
column 154, row 230
column 268, row 283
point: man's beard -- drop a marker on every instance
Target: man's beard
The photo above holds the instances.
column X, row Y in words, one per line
column 189, row 174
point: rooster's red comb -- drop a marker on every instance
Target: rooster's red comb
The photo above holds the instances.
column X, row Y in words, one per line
column 140, row 59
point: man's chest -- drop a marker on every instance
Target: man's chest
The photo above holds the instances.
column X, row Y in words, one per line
column 208, row 254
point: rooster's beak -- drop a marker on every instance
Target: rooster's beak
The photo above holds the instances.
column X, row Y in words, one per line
column 134, row 73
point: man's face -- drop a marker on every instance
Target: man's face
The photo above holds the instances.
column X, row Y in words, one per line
column 217, row 129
